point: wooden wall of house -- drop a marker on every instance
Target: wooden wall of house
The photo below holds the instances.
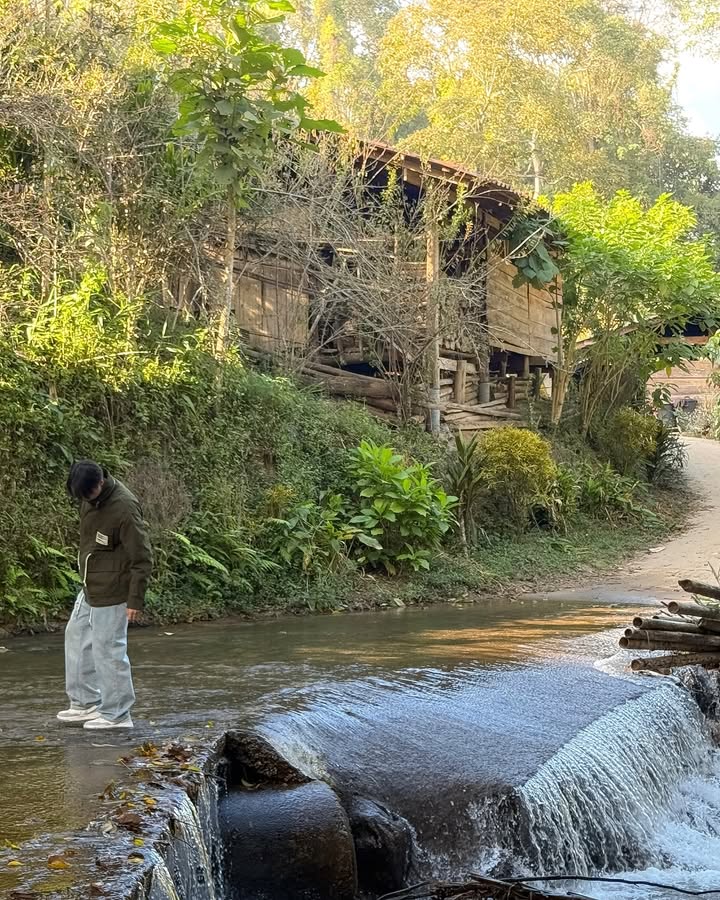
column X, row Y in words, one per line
column 520, row 319
column 692, row 383
column 271, row 303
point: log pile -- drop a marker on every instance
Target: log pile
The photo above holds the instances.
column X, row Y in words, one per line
column 688, row 630
column 381, row 397
column 480, row 416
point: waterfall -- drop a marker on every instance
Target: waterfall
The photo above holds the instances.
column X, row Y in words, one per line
column 637, row 790
column 188, row 858
column 162, row 886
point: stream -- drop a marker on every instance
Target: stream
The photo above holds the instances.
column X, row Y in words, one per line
column 509, row 738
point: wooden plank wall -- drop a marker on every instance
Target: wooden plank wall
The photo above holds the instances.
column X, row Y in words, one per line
column 693, row 383
column 271, row 304
column 519, row 319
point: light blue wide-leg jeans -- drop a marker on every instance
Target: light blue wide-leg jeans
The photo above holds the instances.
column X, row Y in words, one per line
column 97, row 667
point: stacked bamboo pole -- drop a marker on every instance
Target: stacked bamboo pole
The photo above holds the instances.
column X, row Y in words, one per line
column 690, row 630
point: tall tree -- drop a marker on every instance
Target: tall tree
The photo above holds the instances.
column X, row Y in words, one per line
column 627, row 263
column 343, row 37
column 238, row 94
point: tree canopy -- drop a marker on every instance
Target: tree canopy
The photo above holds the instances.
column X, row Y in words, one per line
column 538, row 95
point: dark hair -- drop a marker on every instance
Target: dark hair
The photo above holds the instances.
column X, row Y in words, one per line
column 85, row 475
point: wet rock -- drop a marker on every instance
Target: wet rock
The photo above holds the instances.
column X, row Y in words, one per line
column 250, row 758
column 383, row 846
column 290, row 841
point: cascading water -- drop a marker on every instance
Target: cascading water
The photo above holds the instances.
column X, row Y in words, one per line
column 162, row 886
column 594, row 805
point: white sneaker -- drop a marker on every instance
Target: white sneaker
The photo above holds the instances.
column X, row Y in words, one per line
column 100, row 723
column 74, row 716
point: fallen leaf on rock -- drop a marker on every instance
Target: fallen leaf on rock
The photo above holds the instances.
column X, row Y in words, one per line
column 14, row 863
column 149, row 801
column 39, row 738
column 177, row 751
column 139, row 842
column 136, row 858
column 129, row 820
column 148, row 749
column 57, row 861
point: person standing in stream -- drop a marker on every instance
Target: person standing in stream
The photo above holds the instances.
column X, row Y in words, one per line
column 115, row 562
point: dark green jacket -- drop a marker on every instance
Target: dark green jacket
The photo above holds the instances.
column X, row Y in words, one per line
column 115, row 556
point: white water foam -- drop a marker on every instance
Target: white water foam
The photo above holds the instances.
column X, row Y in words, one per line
column 683, row 847
column 594, row 807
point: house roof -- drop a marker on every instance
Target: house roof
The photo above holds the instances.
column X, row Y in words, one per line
column 417, row 168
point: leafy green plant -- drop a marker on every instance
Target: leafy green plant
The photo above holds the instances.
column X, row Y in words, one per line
column 34, row 590
column 209, row 560
column 465, row 478
column 404, row 511
column 530, row 238
column 315, row 537
column 556, row 507
column 668, row 457
column 606, row 494
column 517, row 468
column 238, row 95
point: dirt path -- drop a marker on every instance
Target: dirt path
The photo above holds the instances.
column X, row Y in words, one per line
column 654, row 575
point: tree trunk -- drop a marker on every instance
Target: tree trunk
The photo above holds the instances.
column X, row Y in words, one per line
column 686, row 608
column 673, row 660
column 536, row 162
column 700, row 588
column 433, row 326
column 560, row 382
column 223, row 332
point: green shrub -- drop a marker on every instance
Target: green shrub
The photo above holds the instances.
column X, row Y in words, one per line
column 404, row 511
column 606, row 494
column 556, row 508
column 105, row 380
column 628, row 441
column 517, row 468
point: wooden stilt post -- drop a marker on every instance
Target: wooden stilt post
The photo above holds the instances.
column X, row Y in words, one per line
column 511, row 402
column 432, row 271
column 459, row 381
column 526, row 368
column 482, row 364
column 537, row 382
